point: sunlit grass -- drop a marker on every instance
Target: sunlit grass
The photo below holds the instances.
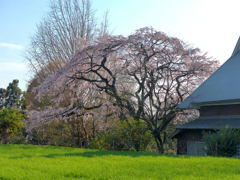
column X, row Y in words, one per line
column 50, row 162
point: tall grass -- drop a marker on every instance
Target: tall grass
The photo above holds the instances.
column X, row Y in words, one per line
column 50, row 162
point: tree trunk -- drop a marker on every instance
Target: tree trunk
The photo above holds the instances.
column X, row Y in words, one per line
column 79, row 144
column 5, row 136
column 158, row 141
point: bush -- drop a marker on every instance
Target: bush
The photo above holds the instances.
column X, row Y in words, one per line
column 19, row 137
column 224, row 142
column 11, row 121
column 128, row 135
column 53, row 133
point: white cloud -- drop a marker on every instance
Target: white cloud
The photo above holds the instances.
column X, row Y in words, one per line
column 12, row 67
column 9, row 45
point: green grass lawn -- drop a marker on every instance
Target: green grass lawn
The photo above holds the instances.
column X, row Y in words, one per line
column 50, row 162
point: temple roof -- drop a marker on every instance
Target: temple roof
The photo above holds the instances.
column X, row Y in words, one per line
column 222, row 87
column 213, row 123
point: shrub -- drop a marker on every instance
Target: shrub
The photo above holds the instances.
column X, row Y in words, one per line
column 11, row 121
column 19, row 137
column 126, row 135
column 223, row 142
column 53, row 133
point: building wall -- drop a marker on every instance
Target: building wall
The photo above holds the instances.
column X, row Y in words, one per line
column 195, row 135
column 221, row 110
column 184, row 137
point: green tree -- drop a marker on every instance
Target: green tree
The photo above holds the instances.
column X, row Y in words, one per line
column 12, row 104
column 10, row 122
column 13, row 95
column 2, row 97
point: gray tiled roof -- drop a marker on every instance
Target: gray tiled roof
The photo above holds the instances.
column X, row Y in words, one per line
column 223, row 86
column 213, row 123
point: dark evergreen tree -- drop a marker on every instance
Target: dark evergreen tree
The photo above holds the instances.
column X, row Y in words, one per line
column 2, row 97
column 13, row 95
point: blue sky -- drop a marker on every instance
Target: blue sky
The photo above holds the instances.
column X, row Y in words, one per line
column 213, row 26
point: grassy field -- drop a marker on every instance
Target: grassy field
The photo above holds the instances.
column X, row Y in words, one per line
column 49, row 162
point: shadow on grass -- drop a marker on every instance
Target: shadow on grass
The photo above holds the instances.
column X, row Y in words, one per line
column 76, row 176
column 83, row 153
column 20, row 157
column 90, row 154
column 99, row 153
column 3, row 178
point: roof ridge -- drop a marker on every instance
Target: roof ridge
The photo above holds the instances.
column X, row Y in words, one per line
column 237, row 48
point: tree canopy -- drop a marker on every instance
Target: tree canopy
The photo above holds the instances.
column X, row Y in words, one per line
column 145, row 75
column 11, row 96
